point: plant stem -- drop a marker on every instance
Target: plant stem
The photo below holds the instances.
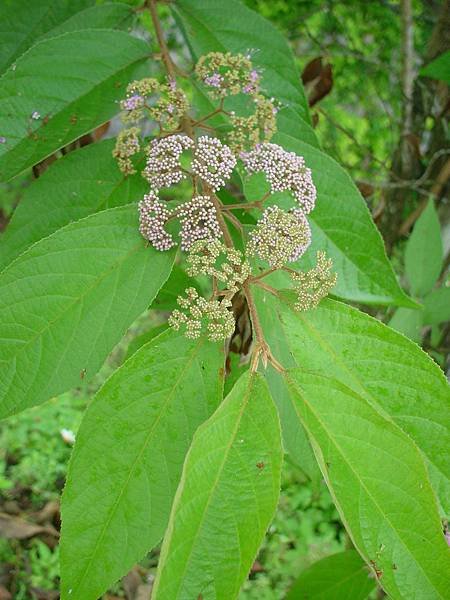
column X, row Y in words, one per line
column 261, row 349
column 168, row 63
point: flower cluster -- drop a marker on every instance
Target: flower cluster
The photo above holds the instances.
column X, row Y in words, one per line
column 166, row 103
column 280, row 237
column 226, row 265
column 163, row 167
column 226, row 74
column 285, row 171
column 153, row 216
column 259, row 127
column 216, row 315
column 315, row 284
column 198, row 219
column 213, row 162
column 127, row 145
column 177, row 154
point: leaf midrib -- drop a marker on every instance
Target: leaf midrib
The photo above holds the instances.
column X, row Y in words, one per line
column 164, row 406
column 337, row 358
column 75, row 301
column 215, row 483
column 350, row 466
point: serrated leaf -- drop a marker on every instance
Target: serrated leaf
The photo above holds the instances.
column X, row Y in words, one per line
column 214, row 25
column 67, row 300
column 423, row 254
column 82, row 182
column 23, row 22
column 342, row 226
column 226, row 499
column 380, row 486
column 437, row 306
column 342, row 576
column 439, row 68
column 73, row 82
column 128, row 458
column 381, row 365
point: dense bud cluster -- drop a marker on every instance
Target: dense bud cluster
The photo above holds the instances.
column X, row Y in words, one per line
column 127, row 145
column 163, row 167
column 280, row 237
column 213, row 162
column 165, row 103
column 259, row 127
column 226, row 265
column 315, row 284
column 226, row 74
column 285, row 171
column 153, row 216
column 213, row 315
column 198, row 219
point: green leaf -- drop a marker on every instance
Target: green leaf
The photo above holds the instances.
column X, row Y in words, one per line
column 226, row 498
column 214, row 25
column 128, row 458
column 341, row 576
column 67, row 300
column 81, row 183
column 175, row 286
column 423, row 254
column 295, row 439
column 381, row 365
column 144, row 338
column 439, row 68
column 408, row 321
column 23, row 22
column 379, row 484
column 114, row 15
column 73, row 82
column 437, row 306
column 341, row 224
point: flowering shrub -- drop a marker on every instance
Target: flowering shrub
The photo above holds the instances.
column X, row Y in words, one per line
column 217, row 171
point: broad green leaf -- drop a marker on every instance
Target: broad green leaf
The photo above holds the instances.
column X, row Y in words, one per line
column 341, row 576
column 439, row 68
column 144, row 338
column 175, row 286
column 226, row 498
column 214, row 25
column 23, row 22
column 81, row 183
column 408, row 321
column 342, row 226
column 67, row 300
column 128, row 458
column 114, row 15
column 437, row 306
column 73, row 82
column 381, row 365
column 295, row 439
column 423, row 254
column 380, row 486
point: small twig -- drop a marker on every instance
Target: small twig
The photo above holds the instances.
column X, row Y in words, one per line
column 263, row 274
column 266, row 287
column 168, row 63
column 261, row 349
